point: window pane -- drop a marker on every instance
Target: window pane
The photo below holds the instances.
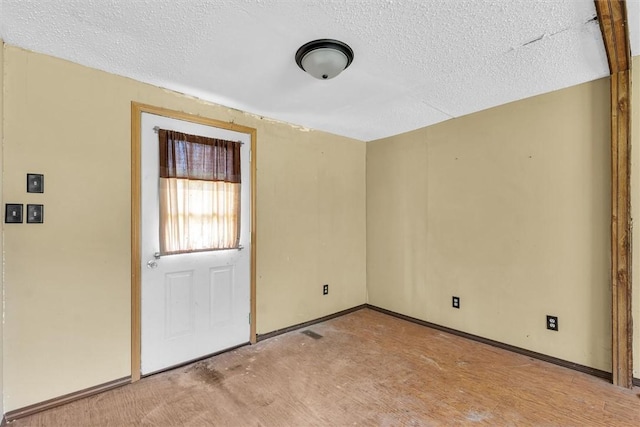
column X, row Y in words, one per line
column 198, row 215
column 199, row 193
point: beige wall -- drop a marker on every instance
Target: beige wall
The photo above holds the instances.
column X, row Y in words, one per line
column 311, row 226
column 67, row 281
column 508, row 209
column 635, row 208
column 1, row 263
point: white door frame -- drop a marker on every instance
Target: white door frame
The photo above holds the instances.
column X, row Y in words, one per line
column 136, row 113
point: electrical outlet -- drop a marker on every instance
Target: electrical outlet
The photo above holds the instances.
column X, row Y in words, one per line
column 325, row 289
column 552, row 323
column 455, row 302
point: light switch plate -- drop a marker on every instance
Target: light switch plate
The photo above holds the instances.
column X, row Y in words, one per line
column 13, row 213
column 35, row 183
column 35, row 214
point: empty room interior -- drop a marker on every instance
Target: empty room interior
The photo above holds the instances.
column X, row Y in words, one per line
column 423, row 215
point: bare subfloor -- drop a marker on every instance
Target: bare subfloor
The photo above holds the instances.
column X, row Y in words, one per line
column 367, row 369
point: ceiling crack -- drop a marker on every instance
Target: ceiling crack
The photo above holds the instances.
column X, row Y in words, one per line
column 593, row 19
column 451, row 116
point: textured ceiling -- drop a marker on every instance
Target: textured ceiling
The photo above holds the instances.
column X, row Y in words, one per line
column 417, row 62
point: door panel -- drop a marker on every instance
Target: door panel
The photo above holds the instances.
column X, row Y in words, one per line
column 180, row 310
column 198, row 303
column 221, row 291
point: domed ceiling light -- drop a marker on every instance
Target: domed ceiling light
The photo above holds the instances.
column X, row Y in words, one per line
column 324, row 58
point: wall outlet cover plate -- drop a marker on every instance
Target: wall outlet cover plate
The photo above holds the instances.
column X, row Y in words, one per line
column 13, row 213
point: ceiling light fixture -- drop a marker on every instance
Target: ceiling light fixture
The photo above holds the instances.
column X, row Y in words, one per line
column 324, row 58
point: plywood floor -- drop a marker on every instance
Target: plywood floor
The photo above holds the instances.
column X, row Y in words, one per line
column 367, row 369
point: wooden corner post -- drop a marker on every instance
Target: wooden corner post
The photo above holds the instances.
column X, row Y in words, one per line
column 612, row 16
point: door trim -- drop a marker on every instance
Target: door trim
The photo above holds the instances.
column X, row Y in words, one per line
column 136, row 114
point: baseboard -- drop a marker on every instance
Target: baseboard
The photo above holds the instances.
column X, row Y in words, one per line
column 636, row 382
column 67, row 398
column 262, row 337
column 3, row 422
column 550, row 359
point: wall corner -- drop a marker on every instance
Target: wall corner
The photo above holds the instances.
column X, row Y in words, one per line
column 2, row 72
column 634, row 105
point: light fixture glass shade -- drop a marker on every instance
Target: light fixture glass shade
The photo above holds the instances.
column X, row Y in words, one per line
column 324, row 63
column 324, row 58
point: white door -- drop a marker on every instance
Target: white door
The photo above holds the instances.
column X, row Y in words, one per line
column 198, row 303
